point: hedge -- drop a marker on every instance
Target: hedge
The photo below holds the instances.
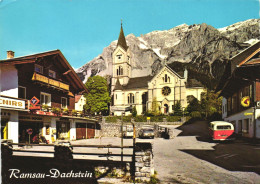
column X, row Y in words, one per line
column 113, row 119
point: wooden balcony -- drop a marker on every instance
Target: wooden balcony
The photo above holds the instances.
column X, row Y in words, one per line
column 49, row 81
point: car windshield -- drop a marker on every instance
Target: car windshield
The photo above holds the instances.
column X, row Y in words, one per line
column 148, row 130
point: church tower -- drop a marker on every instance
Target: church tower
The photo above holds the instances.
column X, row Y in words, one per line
column 121, row 61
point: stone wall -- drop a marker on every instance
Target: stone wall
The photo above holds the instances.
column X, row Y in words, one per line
column 144, row 162
column 114, row 129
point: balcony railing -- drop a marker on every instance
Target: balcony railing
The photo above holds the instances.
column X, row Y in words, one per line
column 52, row 82
column 51, row 111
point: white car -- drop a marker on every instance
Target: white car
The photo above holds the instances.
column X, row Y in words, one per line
column 128, row 132
column 146, row 133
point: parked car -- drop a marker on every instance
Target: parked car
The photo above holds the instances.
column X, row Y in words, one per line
column 128, row 131
column 221, row 130
column 146, row 133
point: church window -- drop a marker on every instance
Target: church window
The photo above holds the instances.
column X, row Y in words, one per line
column 121, row 71
column 168, row 79
column 131, row 98
column 166, row 90
column 119, row 56
column 165, row 78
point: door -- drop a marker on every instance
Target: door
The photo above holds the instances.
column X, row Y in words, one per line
column 166, row 109
column 80, row 130
column 90, row 130
column 63, row 128
column 239, row 128
column 36, row 131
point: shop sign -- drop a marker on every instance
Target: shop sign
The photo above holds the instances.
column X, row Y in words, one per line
column 258, row 104
column 245, row 102
column 33, row 102
column 248, row 113
column 30, row 118
column 12, row 103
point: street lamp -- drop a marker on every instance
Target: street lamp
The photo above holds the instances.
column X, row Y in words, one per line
column 183, row 108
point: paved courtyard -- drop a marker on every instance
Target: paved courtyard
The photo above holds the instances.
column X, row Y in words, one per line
column 191, row 158
column 188, row 158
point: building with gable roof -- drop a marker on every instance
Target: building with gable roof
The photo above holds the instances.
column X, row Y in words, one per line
column 165, row 88
column 38, row 93
column 240, row 88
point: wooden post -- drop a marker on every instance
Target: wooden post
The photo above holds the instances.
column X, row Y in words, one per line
column 133, row 158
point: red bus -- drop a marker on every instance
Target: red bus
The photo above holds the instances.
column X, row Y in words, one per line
column 221, row 130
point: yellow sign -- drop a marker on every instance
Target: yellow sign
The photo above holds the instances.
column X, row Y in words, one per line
column 245, row 102
column 148, row 118
column 248, row 113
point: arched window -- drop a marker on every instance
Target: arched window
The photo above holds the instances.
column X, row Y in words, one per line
column 121, row 70
column 168, row 79
column 131, row 98
column 165, row 78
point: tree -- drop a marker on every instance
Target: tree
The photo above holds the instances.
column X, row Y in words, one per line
column 97, row 98
column 211, row 103
column 194, row 105
column 177, row 109
column 134, row 111
column 155, row 107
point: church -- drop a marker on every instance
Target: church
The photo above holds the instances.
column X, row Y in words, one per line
column 164, row 89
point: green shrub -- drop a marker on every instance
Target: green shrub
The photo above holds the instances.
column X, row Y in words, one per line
column 134, row 112
column 173, row 118
column 195, row 114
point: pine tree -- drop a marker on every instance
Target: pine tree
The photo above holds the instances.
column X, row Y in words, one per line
column 178, row 109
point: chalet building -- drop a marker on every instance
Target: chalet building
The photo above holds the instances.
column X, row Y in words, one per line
column 38, row 92
column 165, row 88
column 80, row 101
column 240, row 88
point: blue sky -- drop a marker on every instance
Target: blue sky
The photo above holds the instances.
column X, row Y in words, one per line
column 82, row 28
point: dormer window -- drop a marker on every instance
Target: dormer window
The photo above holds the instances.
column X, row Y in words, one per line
column 38, row 68
column 52, row 74
column 119, row 56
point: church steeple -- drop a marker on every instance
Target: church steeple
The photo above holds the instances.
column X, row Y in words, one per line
column 121, row 39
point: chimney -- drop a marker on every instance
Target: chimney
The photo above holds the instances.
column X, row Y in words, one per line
column 186, row 74
column 10, row 54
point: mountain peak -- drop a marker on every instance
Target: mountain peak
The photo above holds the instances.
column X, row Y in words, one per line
column 200, row 47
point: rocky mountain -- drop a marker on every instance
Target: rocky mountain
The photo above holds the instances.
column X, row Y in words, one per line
column 201, row 48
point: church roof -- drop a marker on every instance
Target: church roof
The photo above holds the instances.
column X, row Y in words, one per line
column 121, row 39
column 193, row 83
column 134, row 83
column 118, row 86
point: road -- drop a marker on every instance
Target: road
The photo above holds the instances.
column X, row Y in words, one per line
column 191, row 158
